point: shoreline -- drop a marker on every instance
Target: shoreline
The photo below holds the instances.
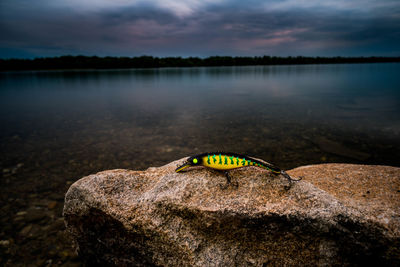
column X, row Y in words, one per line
column 146, row 62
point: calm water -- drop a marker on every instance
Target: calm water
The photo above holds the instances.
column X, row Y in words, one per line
column 61, row 125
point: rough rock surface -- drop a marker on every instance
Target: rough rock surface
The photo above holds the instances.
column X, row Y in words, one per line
column 339, row 214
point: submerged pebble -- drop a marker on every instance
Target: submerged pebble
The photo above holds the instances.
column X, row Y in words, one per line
column 52, row 205
column 4, row 243
column 21, row 213
column 25, row 231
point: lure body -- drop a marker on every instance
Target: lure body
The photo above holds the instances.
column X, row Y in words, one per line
column 228, row 161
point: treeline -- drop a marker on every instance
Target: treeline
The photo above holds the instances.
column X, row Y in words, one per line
column 94, row 62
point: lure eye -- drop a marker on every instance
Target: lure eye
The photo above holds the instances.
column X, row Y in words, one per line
column 195, row 161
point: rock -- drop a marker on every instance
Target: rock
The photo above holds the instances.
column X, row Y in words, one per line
column 159, row 217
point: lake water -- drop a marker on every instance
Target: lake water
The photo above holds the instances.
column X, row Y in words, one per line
column 58, row 126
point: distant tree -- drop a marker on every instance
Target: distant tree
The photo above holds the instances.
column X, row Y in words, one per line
column 94, row 62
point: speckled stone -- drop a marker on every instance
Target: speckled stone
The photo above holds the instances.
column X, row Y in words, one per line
column 339, row 214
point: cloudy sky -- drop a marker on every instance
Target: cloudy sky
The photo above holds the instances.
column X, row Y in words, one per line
column 199, row 27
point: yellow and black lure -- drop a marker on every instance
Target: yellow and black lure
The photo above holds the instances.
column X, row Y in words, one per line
column 228, row 161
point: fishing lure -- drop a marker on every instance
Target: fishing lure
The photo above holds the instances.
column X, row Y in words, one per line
column 228, row 161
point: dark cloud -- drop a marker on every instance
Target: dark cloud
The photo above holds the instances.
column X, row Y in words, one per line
column 227, row 28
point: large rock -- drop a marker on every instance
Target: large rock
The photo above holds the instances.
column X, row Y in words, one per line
column 339, row 214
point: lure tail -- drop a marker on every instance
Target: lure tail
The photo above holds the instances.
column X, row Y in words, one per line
column 290, row 179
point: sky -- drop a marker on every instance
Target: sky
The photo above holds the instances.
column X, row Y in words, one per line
column 45, row 28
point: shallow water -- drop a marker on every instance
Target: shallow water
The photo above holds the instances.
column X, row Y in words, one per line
column 58, row 126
